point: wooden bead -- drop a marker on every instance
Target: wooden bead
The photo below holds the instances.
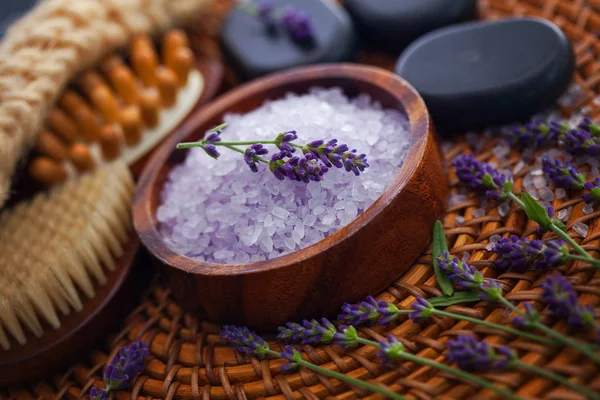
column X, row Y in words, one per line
column 49, row 145
column 172, row 42
column 132, row 124
column 145, row 63
column 183, row 62
column 150, row 107
column 167, row 86
column 81, row 157
column 110, row 142
column 124, row 83
column 106, row 103
column 63, row 125
column 88, row 122
column 47, row 171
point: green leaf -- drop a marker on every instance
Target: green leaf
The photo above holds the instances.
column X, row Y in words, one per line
column 456, row 298
column 218, row 128
column 535, row 211
column 439, row 246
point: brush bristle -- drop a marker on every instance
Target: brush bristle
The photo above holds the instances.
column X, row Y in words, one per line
column 59, row 246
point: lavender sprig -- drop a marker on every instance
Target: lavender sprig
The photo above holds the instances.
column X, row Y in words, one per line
column 472, row 355
column 127, row 363
column 308, row 332
column 537, row 134
column 580, row 142
column 522, row 254
column 296, row 22
column 368, row 312
column 593, row 197
column 245, row 341
column 529, row 319
column 483, row 177
column 468, row 277
column 563, row 174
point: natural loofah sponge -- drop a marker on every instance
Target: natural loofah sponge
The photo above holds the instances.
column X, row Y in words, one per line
column 41, row 52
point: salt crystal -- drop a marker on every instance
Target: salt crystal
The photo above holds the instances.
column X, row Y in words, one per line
column 564, row 214
column 459, row 220
column 588, row 209
column 546, row 194
column 581, row 229
column 503, row 209
column 478, row 213
column 456, row 199
column 560, row 193
column 501, row 151
column 465, row 257
column 253, row 216
column 539, row 182
column 518, row 167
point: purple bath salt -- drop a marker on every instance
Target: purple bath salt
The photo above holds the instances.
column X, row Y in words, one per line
column 220, row 211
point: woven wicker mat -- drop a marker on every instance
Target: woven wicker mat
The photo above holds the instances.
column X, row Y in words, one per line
column 189, row 361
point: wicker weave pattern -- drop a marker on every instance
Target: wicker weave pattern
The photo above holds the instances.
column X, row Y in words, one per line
column 41, row 52
column 190, row 362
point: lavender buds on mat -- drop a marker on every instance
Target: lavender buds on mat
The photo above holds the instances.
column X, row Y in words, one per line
column 296, row 22
column 126, row 364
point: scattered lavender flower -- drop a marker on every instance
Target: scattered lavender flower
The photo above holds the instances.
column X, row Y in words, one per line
column 422, row 310
column 564, row 174
column 292, row 356
column 368, row 312
column 96, row 394
column 580, row 142
column 482, row 177
column 309, row 332
column 126, row 364
column 537, row 134
column 347, row 338
column 593, row 197
column 469, row 278
column 563, row 302
column 391, row 349
column 297, row 23
column 245, row 341
column 472, row 355
column 251, row 154
column 521, row 254
column 529, row 320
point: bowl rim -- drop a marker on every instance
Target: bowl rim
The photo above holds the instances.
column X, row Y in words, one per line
column 420, row 126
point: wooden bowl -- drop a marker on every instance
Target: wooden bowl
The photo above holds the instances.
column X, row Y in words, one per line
column 359, row 260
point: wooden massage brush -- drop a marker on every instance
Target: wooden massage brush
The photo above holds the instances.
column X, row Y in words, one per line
column 120, row 110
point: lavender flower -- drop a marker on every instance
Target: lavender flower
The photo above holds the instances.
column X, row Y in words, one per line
column 293, row 356
column 211, row 150
column 422, row 310
column 537, row 134
column 309, row 332
column 593, row 197
column 347, row 338
column 266, row 11
column 391, row 349
column 529, row 320
column 368, row 312
column 306, row 168
column 472, row 355
column 283, row 140
column 469, row 278
column 588, row 125
column 297, row 23
column 563, row 302
column 563, row 174
column 482, row 177
column 251, row 154
column 521, row 254
column 126, row 364
column 580, row 142
column 96, row 394
column 245, row 341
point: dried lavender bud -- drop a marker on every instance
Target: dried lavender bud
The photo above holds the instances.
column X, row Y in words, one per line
column 469, row 278
column 563, row 302
column 593, row 197
column 293, row 356
column 422, row 310
column 521, row 254
column 297, row 23
column 96, row 394
column 355, row 163
column 529, row 320
column 245, row 341
column 283, row 140
column 211, row 150
column 126, row 364
column 472, row 355
column 368, row 312
column 482, row 177
column 537, row 134
column 251, row 154
column 347, row 338
column 309, row 332
column 391, row 349
column 580, row 143
column 588, row 125
column 305, row 169
column 563, row 174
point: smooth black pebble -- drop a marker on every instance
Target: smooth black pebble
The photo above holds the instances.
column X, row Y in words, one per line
column 255, row 50
column 11, row 10
column 481, row 73
column 393, row 24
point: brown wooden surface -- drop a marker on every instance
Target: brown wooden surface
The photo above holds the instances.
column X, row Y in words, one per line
column 360, row 259
column 78, row 330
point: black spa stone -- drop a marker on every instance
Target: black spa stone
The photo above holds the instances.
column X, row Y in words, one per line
column 11, row 10
column 254, row 50
column 393, row 24
column 482, row 73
